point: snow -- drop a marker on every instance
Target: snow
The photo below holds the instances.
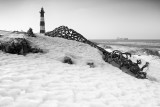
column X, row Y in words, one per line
column 42, row 80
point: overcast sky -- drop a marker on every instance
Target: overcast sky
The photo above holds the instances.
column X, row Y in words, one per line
column 95, row 19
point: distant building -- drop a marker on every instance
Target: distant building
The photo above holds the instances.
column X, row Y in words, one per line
column 42, row 22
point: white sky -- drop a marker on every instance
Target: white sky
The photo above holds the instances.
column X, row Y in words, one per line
column 95, row 19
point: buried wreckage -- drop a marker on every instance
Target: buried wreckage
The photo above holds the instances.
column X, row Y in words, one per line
column 122, row 59
column 118, row 57
column 22, row 46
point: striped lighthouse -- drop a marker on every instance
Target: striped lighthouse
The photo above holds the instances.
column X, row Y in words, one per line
column 42, row 23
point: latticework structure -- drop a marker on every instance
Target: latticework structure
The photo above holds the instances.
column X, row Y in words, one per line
column 70, row 34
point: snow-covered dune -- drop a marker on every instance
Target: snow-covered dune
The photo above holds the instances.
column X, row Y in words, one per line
column 58, row 48
column 43, row 80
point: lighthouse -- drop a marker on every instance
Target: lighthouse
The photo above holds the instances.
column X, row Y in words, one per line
column 42, row 23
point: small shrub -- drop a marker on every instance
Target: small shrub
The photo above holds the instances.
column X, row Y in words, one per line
column 36, row 50
column 91, row 64
column 18, row 46
column 30, row 33
column 67, row 60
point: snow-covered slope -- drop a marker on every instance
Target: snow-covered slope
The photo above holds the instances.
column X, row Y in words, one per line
column 42, row 80
column 58, row 48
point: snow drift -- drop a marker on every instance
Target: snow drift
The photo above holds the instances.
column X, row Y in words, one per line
column 44, row 80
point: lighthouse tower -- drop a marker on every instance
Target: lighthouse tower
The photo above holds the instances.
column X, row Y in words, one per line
column 42, row 23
